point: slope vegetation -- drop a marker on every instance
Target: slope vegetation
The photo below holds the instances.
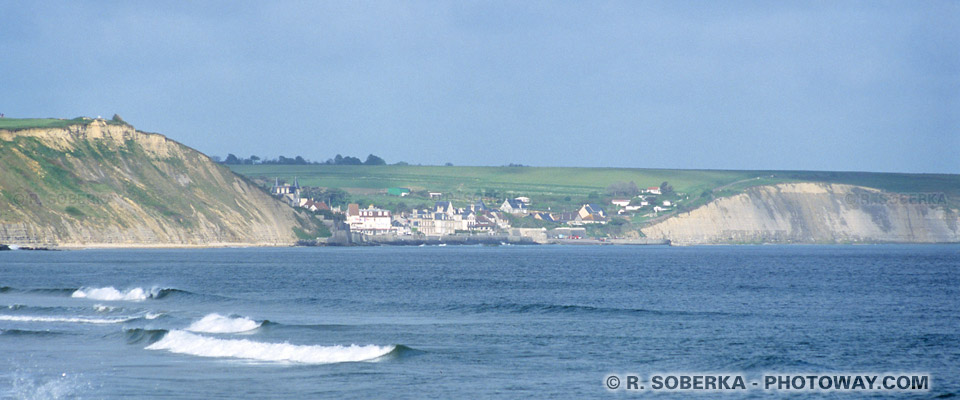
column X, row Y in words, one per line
column 94, row 183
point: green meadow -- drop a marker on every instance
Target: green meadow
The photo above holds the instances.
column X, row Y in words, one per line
column 553, row 185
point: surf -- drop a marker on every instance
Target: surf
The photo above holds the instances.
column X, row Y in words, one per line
column 183, row 342
column 80, row 320
column 216, row 323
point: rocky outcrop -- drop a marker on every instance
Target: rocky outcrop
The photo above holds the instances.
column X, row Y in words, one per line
column 814, row 213
column 104, row 184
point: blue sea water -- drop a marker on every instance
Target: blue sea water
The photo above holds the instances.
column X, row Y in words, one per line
column 469, row 322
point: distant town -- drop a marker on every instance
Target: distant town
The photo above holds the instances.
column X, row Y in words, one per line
column 516, row 216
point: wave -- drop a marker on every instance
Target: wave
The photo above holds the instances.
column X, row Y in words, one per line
column 104, row 309
column 183, row 342
column 268, row 324
column 25, row 332
column 540, row 308
column 24, row 307
column 109, row 293
column 139, row 335
column 80, row 320
column 216, row 323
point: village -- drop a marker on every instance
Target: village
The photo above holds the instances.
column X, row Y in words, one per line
column 515, row 217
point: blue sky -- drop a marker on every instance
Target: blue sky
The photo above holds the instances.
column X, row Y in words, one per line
column 872, row 86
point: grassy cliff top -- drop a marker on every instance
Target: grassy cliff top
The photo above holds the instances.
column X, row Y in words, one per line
column 553, row 185
column 13, row 124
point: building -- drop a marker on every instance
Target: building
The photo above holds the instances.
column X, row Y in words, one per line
column 313, row 205
column 543, row 216
column 620, row 202
column 287, row 192
column 286, row 188
column 369, row 221
column 445, row 219
column 590, row 214
column 653, row 190
column 523, row 199
column 567, row 233
column 435, row 195
column 513, row 206
column 399, row 192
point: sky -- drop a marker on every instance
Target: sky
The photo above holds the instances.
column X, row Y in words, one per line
column 799, row 85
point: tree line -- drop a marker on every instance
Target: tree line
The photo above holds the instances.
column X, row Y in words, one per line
column 232, row 159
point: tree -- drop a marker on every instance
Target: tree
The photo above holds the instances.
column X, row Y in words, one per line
column 254, row 159
column 666, row 188
column 231, row 159
column 338, row 160
column 350, row 161
column 333, row 196
column 623, row 189
column 374, row 160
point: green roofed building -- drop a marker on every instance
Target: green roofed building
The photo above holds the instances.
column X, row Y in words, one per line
column 400, row 192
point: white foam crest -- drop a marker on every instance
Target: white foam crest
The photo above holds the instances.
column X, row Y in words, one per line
column 150, row 315
column 80, row 320
column 216, row 323
column 103, row 308
column 183, row 342
column 110, row 293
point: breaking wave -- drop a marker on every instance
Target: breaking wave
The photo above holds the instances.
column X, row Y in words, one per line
column 104, row 309
column 139, row 335
column 183, row 342
column 80, row 320
column 110, row 293
column 216, row 323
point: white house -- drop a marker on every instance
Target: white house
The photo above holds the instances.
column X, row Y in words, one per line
column 369, row 221
column 653, row 190
column 620, row 202
column 513, row 206
column 667, row 203
column 522, row 199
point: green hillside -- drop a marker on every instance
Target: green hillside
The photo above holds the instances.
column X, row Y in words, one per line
column 101, row 183
column 552, row 185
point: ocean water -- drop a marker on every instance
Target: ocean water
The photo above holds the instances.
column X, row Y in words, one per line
column 469, row 322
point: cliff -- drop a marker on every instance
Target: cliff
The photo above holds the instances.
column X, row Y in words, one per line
column 104, row 184
column 814, row 213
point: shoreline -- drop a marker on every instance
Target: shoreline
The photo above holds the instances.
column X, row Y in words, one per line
column 429, row 242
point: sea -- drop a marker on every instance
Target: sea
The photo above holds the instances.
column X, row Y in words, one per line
column 474, row 322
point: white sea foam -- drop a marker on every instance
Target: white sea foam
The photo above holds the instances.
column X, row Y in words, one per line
column 103, row 308
column 183, row 342
column 109, row 293
column 216, row 323
column 80, row 320
column 150, row 315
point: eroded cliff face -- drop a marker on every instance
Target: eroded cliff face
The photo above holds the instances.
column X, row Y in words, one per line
column 107, row 185
column 813, row 213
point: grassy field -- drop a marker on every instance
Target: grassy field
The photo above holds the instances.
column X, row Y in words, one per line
column 551, row 186
column 14, row 124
